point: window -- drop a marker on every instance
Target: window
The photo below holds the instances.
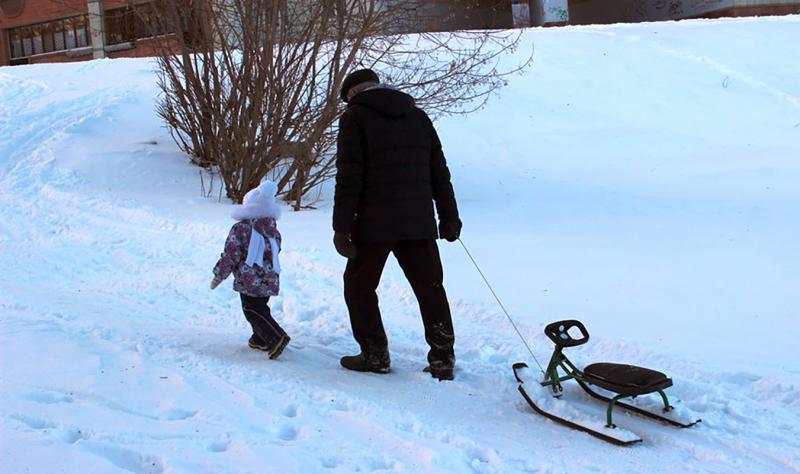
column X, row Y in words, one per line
column 128, row 24
column 56, row 35
column 119, row 25
column 151, row 21
column 81, row 24
column 27, row 43
column 48, row 39
column 16, row 44
column 36, row 35
column 69, row 34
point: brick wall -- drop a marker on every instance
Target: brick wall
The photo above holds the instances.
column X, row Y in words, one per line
column 631, row 11
column 3, row 48
column 144, row 48
column 447, row 15
column 755, row 10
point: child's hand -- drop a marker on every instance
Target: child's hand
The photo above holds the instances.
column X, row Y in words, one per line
column 215, row 282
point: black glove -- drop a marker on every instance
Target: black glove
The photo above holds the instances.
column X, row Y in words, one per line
column 450, row 230
column 344, row 245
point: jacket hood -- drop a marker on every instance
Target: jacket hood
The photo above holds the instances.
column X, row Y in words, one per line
column 258, row 202
column 386, row 101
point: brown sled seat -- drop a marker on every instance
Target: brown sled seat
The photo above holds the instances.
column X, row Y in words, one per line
column 626, row 379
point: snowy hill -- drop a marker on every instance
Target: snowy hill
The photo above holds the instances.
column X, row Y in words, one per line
column 640, row 178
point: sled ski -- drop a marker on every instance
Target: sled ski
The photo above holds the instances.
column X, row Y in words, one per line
column 623, row 381
column 561, row 412
column 667, row 417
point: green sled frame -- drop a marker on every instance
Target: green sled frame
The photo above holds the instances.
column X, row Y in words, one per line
column 626, row 381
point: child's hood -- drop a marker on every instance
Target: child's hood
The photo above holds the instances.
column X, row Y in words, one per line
column 258, row 203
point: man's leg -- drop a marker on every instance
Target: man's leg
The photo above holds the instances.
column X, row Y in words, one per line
column 422, row 266
column 361, row 278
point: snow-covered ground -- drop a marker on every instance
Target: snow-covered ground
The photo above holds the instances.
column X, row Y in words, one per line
column 641, row 178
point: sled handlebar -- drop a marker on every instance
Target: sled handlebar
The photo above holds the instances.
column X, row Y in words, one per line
column 558, row 332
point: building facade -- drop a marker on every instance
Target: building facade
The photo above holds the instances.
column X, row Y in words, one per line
column 449, row 15
column 36, row 31
column 416, row 16
column 434, row 15
column 632, row 11
column 39, row 31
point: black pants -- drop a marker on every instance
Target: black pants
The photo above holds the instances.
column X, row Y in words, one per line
column 422, row 266
column 259, row 316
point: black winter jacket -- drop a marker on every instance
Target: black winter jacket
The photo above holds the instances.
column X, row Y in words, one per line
column 390, row 170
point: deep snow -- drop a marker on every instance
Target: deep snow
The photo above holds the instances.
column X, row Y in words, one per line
column 641, row 178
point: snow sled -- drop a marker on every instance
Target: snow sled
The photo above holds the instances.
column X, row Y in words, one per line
column 621, row 381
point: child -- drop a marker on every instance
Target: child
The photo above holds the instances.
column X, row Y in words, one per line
column 251, row 254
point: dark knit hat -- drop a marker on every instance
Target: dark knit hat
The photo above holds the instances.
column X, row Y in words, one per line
column 357, row 77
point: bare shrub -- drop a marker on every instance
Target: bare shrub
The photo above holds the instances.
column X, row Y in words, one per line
column 252, row 86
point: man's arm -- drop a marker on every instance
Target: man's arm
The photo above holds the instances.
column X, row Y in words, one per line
column 349, row 174
column 443, row 193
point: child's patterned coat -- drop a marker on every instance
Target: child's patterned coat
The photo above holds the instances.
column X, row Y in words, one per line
column 251, row 280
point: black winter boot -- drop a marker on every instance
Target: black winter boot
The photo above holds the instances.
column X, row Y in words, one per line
column 440, row 370
column 374, row 362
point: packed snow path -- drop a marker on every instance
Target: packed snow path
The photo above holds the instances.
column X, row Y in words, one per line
column 639, row 178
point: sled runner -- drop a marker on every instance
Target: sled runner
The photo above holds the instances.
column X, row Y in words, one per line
column 623, row 381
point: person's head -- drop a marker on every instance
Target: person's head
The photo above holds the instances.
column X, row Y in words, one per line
column 358, row 81
column 258, row 202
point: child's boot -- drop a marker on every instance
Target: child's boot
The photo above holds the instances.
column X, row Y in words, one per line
column 256, row 342
column 276, row 350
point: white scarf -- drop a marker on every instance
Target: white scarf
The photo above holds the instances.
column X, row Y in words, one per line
column 258, row 203
column 255, row 250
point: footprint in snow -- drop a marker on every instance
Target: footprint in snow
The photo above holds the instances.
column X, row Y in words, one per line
column 219, row 446
column 481, row 455
column 380, row 464
column 33, row 422
column 71, row 435
column 410, row 425
column 309, row 315
column 340, row 405
column 48, row 397
column 126, row 459
column 290, row 411
column 330, row 463
column 286, row 433
column 67, row 435
column 178, row 415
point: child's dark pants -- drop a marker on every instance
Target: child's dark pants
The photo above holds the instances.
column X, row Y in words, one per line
column 258, row 315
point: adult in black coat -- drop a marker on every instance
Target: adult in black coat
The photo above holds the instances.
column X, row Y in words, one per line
column 390, row 173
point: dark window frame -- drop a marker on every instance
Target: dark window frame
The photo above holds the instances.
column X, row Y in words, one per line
column 48, row 38
column 14, row 43
column 68, row 29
